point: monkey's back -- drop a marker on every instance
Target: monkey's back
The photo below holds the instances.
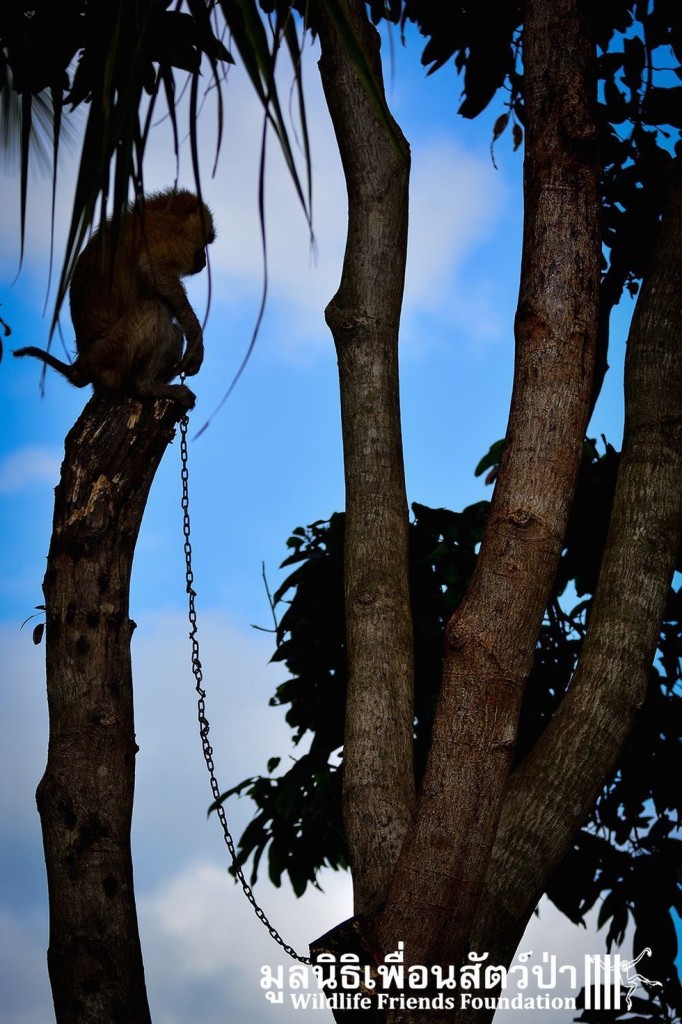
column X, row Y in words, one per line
column 103, row 287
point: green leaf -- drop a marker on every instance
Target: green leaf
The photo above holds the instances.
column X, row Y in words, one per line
column 492, row 458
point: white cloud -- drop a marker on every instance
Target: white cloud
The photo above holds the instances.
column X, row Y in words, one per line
column 455, row 199
column 28, row 466
column 198, row 930
column 203, row 944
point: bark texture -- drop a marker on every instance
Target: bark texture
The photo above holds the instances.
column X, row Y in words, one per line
column 85, row 797
column 364, row 318
column 546, row 803
column 490, row 640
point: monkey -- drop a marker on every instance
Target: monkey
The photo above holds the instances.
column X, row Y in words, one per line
column 129, row 308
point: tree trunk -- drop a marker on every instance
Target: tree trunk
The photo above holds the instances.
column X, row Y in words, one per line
column 85, row 797
column 364, row 317
column 491, row 638
column 546, row 803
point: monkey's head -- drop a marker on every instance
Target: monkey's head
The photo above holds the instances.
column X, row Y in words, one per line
column 185, row 220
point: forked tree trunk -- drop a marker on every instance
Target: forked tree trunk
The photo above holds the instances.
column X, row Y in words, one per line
column 434, row 885
column 490, row 640
column 85, row 797
column 440, row 902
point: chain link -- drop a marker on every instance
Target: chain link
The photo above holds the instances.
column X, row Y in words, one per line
column 204, row 726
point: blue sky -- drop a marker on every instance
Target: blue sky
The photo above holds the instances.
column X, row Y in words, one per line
column 270, row 461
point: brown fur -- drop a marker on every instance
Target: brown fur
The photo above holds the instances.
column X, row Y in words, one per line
column 130, row 310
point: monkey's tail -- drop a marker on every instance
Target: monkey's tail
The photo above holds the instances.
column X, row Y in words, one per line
column 69, row 371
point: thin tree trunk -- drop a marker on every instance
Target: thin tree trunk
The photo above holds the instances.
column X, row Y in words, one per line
column 364, row 318
column 85, row 797
column 490, row 640
column 546, row 803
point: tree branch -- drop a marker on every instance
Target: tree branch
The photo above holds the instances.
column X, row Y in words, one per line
column 364, row 317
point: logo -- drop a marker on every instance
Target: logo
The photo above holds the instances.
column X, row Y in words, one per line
column 606, row 978
column 530, row 983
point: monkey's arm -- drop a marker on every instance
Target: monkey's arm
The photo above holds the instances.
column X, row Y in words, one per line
column 171, row 289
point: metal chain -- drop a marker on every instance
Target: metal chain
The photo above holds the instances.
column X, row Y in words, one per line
column 204, row 726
